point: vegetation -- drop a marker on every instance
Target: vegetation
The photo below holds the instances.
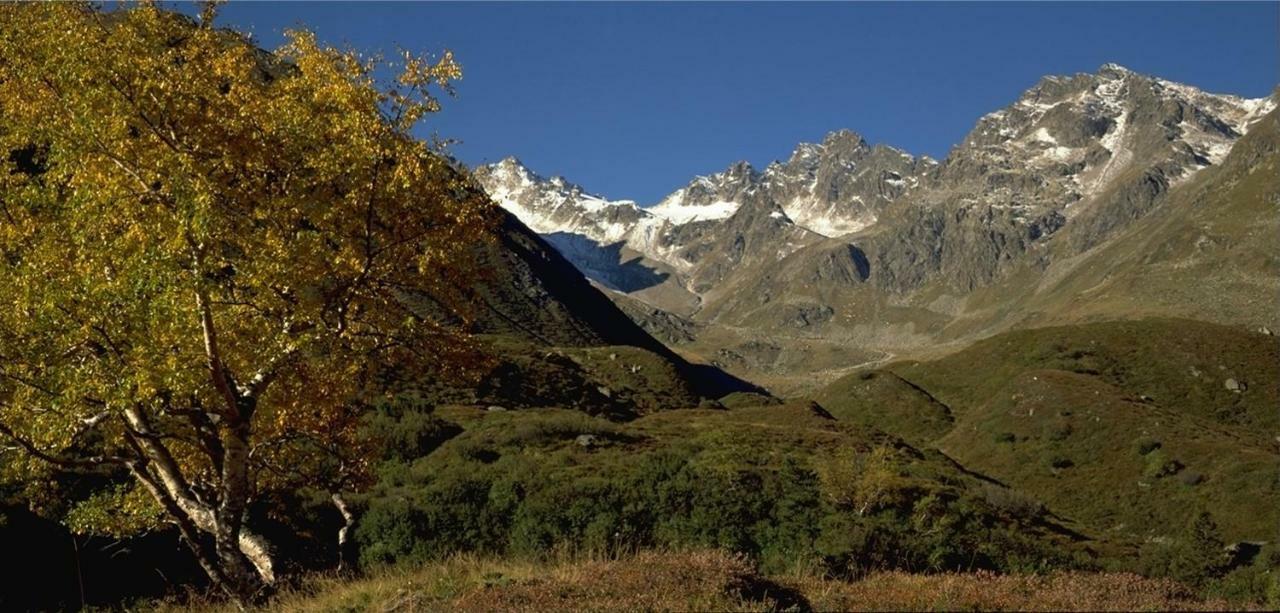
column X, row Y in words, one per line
column 701, row 580
column 1125, row 427
column 784, row 484
column 206, row 251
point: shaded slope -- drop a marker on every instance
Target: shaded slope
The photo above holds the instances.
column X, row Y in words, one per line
column 539, row 314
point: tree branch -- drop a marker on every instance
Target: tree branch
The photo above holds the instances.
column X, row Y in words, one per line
column 222, row 380
column 76, row 463
column 262, row 380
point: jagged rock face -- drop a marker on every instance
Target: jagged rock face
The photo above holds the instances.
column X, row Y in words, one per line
column 757, row 234
column 591, row 232
column 1101, row 147
column 712, row 197
column 841, row 186
column 717, row 224
column 1067, row 138
column 1089, row 153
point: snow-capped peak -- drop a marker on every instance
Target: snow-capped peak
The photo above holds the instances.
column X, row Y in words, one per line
column 556, row 204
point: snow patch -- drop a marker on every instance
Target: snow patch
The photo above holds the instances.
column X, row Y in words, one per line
column 1043, row 135
column 677, row 212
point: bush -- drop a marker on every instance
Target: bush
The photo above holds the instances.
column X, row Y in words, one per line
column 861, row 507
column 1196, row 557
column 1012, row 502
column 1005, row 437
column 1257, row 584
column 552, row 427
column 861, row 482
column 1146, row 445
column 708, row 404
column 1058, row 462
column 408, row 435
column 741, row 400
column 1158, row 465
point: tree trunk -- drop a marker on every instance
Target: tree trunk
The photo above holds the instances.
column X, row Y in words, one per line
column 344, row 533
column 241, row 560
column 229, row 516
column 208, row 562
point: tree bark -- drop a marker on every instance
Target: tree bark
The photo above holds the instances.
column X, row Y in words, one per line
column 188, row 529
column 244, row 558
column 229, row 516
column 344, row 533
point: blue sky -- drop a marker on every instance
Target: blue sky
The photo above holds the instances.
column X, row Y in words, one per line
column 632, row 100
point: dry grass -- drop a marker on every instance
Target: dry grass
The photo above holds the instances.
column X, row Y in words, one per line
column 697, row 581
column 715, row 581
column 990, row 592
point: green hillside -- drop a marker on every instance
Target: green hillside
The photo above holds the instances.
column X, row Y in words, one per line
column 786, row 484
column 1127, row 427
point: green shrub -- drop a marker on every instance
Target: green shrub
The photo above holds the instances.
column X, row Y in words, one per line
column 542, row 428
column 1146, row 445
column 1257, row 584
column 408, row 435
column 708, row 404
column 1196, row 557
column 1059, row 462
column 740, row 400
column 515, row 483
column 1157, row 465
column 1012, row 502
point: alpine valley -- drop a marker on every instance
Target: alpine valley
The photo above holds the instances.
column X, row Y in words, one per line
column 261, row 348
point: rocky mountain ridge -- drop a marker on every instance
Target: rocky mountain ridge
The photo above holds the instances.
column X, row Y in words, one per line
column 1065, row 144
column 854, row 244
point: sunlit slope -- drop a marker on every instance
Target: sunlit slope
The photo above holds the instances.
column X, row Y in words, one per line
column 1129, row 427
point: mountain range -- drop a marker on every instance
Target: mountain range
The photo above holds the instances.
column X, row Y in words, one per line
column 849, row 252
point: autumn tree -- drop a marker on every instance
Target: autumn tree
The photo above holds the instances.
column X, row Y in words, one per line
column 861, row 481
column 210, row 257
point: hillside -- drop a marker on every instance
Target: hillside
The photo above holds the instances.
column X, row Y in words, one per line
column 1127, row 427
column 540, row 317
column 784, row 483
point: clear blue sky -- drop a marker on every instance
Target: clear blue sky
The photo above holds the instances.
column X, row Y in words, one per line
column 632, row 100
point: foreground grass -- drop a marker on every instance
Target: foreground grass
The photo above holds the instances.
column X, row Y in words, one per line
column 712, row 580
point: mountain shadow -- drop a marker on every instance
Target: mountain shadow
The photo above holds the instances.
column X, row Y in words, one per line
column 605, row 263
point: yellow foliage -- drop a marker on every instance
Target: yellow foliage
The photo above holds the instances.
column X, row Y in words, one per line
column 863, row 481
column 154, row 171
